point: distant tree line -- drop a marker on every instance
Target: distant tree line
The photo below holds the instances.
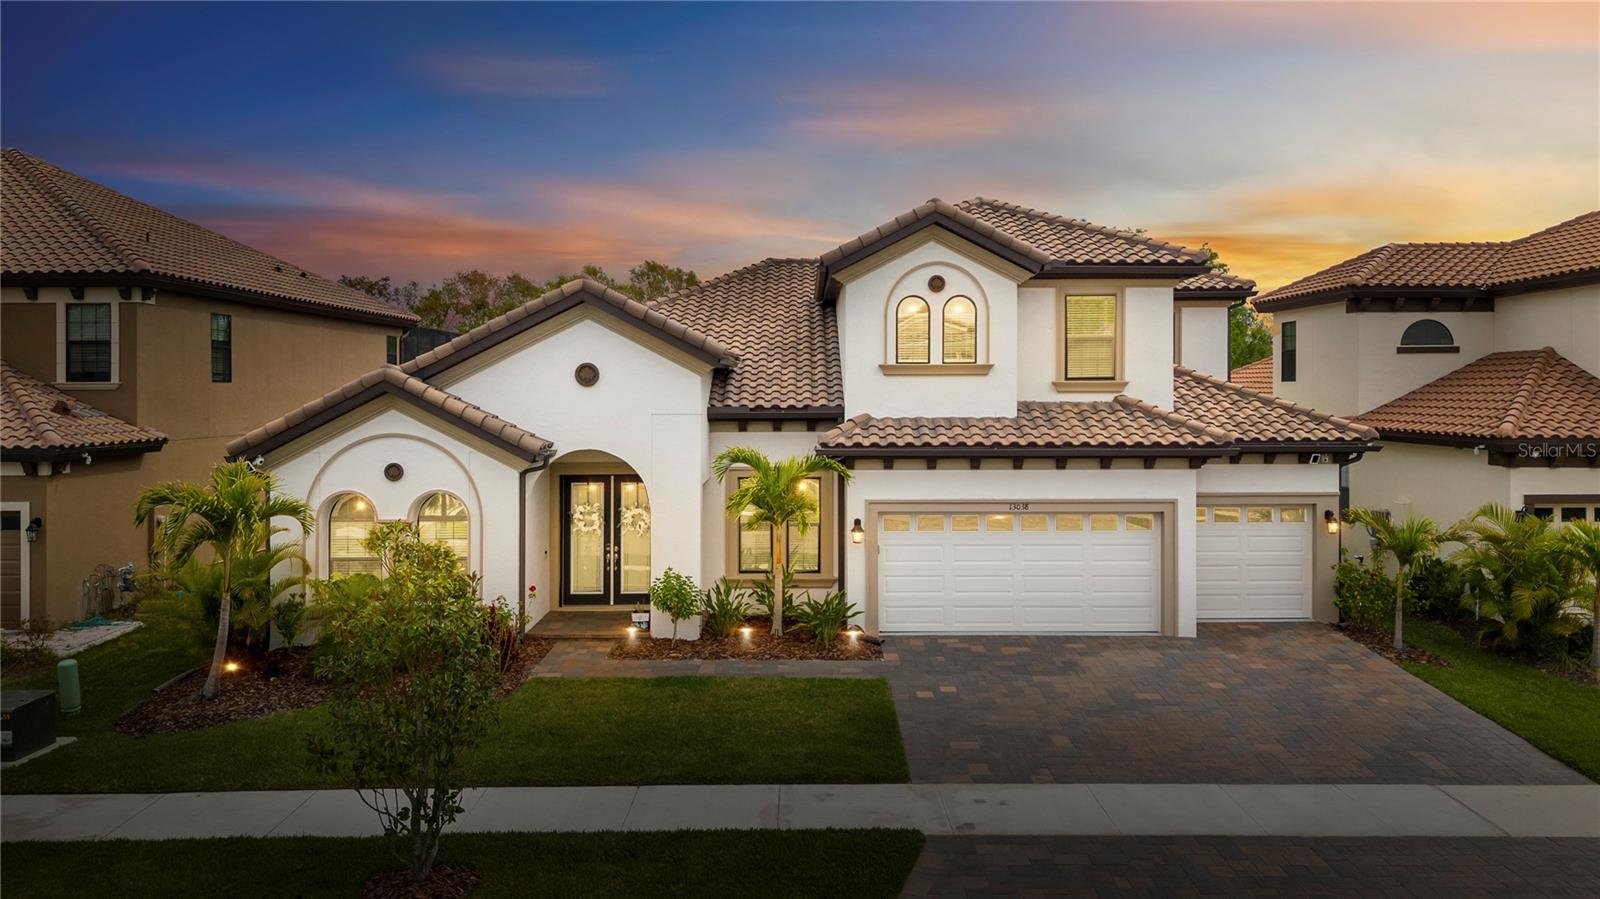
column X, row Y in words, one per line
column 468, row 299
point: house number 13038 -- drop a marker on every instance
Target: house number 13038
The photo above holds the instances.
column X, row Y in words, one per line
column 1017, row 507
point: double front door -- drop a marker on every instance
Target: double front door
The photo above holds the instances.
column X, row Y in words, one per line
column 605, row 546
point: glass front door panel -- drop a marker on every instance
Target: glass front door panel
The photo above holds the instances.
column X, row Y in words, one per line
column 586, row 537
column 633, row 536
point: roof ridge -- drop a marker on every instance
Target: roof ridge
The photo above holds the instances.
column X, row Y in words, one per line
column 1172, row 417
column 1274, row 400
column 31, row 169
column 1084, row 224
column 1512, row 423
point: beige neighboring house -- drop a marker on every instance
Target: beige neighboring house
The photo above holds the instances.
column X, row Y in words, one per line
column 136, row 345
column 1477, row 363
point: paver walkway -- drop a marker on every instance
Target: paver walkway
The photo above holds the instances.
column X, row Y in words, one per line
column 1354, row 810
column 1242, row 703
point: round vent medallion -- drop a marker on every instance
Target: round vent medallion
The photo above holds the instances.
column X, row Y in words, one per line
column 586, row 374
column 936, row 283
column 394, row 471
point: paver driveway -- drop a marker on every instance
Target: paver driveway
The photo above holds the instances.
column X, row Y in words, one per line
column 1282, row 703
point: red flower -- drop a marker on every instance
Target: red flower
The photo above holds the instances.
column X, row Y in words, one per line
column 533, row 588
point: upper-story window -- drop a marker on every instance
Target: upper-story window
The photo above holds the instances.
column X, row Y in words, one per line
column 960, row 321
column 391, row 350
column 1427, row 336
column 1287, row 364
column 1090, row 350
column 221, row 348
column 88, row 342
column 911, row 331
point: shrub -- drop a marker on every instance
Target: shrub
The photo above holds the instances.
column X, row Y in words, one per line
column 414, row 685
column 1434, row 589
column 724, row 607
column 760, row 594
column 824, row 618
column 287, row 617
column 1363, row 593
column 676, row 595
column 1529, row 589
column 500, row 633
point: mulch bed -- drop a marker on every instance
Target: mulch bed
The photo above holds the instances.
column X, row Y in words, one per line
column 1382, row 643
column 261, row 687
column 443, row 882
column 759, row 643
column 528, row 655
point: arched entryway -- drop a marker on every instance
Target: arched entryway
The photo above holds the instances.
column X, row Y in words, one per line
column 600, row 530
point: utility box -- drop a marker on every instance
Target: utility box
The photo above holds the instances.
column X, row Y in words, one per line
column 29, row 722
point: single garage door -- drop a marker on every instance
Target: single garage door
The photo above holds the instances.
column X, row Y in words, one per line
column 1253, row 562
column 1021, row 572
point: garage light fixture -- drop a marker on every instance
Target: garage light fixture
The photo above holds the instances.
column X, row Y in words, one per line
column 33, row 528
column 856, row 533
column 1332, row 521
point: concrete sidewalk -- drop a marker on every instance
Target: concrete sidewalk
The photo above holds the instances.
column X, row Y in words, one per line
column 1354, row 810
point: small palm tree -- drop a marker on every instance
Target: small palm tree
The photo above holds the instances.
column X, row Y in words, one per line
column 1408, row 542
column 773, row 490
column 1580, row 542
column 231, row 515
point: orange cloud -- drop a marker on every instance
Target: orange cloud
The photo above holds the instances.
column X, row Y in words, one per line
column 909, row 114
column 1472, row 27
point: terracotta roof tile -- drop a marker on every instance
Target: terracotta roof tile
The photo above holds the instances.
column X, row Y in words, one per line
column 1523, row 394
column 1122, row 423
column 1257, row 418
column 1215, row 282
column 391, row 378
column 1571, row 247
column 1257, row 376
column 36, row 417
column 1074, row 241
column 787, row 342
column 57, row 223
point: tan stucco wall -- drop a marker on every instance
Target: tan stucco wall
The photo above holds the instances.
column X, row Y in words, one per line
column 1568, row 320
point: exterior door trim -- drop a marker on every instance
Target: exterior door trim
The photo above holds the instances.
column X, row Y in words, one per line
column 24, row 552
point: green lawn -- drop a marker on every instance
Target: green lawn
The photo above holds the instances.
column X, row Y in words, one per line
column 1557, row 715
column 696, row 863
column 551, row 731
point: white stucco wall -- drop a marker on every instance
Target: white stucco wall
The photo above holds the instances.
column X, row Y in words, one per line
column 1383, row 373
column 1147, row 325
column 1567, row 320
column 1325, row 377
column 1281, row 477
column 1204, row 330
column 435, row 457
column 866, row 333
column 714, row 517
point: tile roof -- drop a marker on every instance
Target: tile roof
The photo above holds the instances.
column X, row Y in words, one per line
column 1254, row 418
column 1122, row 423
column 1069, row 240
column 567, row 296
column 787, row 342
column 1523, row 394
column 1215, row 282
column 36, row 418
column 389, row 380
column 1572, row 247
column 1257, row 376
column 57, row 224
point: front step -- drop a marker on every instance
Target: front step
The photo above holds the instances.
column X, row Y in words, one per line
column 573, row 624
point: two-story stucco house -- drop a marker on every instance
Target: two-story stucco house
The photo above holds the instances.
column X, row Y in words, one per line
column 136, row 345
column 1020, row 397
column 1478, row 364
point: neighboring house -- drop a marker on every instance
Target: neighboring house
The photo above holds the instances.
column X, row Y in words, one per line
column 1256, row 375
column 1476, row 362
column 1032, row 450
column 136, row 345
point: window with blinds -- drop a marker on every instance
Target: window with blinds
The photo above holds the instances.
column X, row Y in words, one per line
column 443, row 519
column 805, row 553
column 911, row 331
column 960, row 331
column 1091, row 338
column 349, row 525
column 89, row 342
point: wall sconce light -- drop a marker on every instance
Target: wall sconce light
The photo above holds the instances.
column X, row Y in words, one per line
column 856, row 533
column 33, row 528
column 1330, row 520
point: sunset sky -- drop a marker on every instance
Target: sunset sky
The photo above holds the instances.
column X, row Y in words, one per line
column 416, row 140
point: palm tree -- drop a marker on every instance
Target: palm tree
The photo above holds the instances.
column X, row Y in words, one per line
column 1580, row 542
column 1409, row 542
column 774, row 491
column 230, row 515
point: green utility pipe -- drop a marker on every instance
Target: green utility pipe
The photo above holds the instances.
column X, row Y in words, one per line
column 71, row 692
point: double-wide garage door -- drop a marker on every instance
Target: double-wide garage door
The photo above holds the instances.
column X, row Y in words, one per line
column 1253, row 562
column 1016, row 572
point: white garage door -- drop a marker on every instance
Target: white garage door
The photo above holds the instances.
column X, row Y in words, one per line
column 1055, row 572
column 1253, row 562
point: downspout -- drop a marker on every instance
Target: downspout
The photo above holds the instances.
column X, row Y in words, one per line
column 539, row 463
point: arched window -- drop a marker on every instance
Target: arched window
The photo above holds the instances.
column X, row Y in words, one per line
column 443, row 519
column 911, row 331
column 349, row 524
column 1427, row 332
column 960, row 330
